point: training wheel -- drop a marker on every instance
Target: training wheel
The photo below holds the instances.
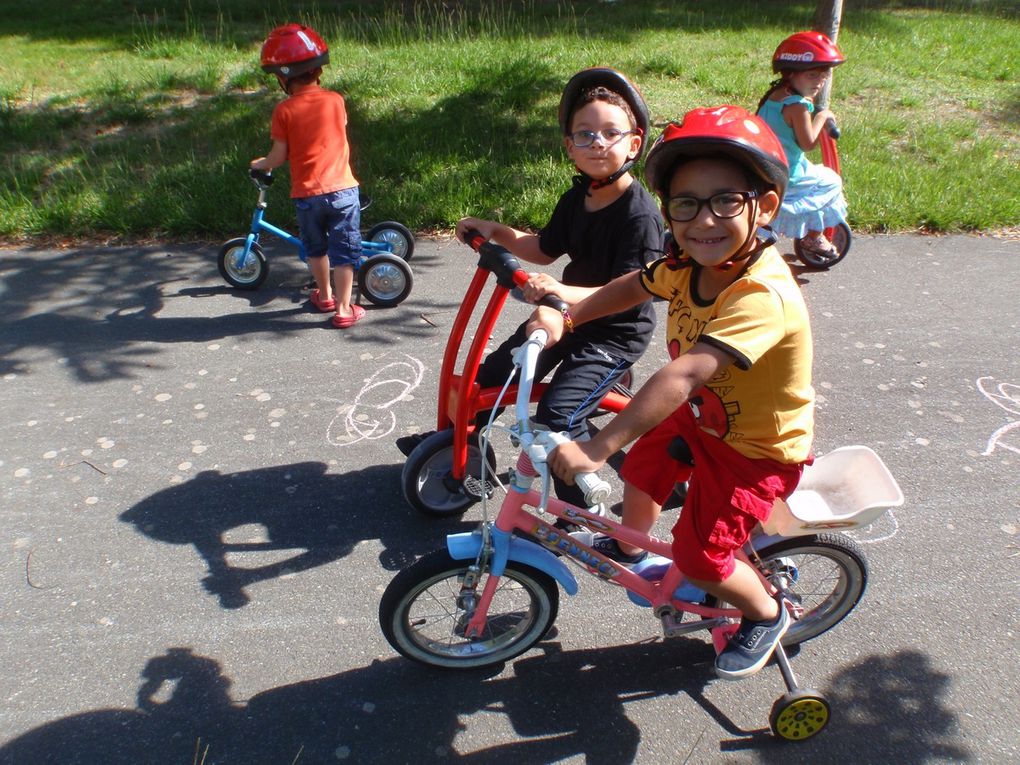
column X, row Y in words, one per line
column 799, row 715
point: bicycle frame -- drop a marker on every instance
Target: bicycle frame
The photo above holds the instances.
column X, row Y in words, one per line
column 493, row 547
column 259, row 226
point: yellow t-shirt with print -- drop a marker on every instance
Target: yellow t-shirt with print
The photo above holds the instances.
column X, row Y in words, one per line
column 762, row 405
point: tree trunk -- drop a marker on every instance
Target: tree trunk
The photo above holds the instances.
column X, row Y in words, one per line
column 827, row 17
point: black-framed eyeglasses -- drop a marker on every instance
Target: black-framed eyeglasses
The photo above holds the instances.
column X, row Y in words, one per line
column 725, row 204
column 582, row 139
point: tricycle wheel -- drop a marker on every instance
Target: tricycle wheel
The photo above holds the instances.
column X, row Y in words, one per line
column 385, row 279
column 841, row 239
column 396, row 235
column 799, row 715
column 427, row 480
column 240, row 272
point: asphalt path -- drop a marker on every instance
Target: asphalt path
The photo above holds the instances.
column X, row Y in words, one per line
column 201, row 508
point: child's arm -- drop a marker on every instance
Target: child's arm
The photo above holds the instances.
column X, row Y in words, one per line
column 277, row 156
column 523, row 245
column 620, row 294
column 806, row 126
column 664, row 392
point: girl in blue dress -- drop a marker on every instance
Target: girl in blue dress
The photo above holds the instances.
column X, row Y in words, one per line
column 814, row 199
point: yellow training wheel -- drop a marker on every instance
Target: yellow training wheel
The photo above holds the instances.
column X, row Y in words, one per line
column 799, row 715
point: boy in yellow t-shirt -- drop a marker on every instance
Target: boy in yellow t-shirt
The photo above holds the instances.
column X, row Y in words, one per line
column 738, row 386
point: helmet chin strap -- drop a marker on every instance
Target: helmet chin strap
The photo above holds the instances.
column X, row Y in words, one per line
column 590, row 184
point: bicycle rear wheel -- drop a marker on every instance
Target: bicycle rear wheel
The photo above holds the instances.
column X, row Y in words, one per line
column 825, row 574
column 425, row 609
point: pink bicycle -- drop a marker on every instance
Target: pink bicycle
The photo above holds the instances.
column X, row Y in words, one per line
column 494, row 592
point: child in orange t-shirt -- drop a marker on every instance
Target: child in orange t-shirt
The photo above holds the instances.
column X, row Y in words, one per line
column 309, row 129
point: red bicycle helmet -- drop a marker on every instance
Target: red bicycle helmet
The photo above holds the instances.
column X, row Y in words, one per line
column 806, row 50
column 729, row 130
column 293, row 49
column 611, row 80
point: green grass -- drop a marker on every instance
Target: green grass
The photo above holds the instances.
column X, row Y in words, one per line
column 138, row 119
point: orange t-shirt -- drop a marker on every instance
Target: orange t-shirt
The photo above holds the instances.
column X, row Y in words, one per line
column 313, row 123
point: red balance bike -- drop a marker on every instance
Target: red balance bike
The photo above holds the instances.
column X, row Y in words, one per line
column 839, row 235
column 441, row 475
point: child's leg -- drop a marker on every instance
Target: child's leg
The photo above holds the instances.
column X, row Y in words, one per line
column 649, row 476
column 343, row 278
column 320, row 272
column 744, row 591
column 640, row 512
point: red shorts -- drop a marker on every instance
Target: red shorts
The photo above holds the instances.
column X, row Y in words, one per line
column 727, row 496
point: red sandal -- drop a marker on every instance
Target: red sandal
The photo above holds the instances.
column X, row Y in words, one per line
column 323, row 305
column 357, row 313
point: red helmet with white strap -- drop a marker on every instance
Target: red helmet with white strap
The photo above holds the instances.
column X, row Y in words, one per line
column 729, row 130
column 806, row 50
column 293, row 49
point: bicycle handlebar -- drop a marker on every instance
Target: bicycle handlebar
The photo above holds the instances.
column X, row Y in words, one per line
column 595, row 489
column 261, row 178
column 832, row 129
column 507, row 269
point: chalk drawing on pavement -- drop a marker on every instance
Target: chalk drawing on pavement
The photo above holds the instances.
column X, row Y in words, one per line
column 1006, row 396
column 370, row 416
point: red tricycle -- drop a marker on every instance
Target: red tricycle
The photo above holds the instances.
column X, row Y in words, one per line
column 441, row 474
column 839, row 236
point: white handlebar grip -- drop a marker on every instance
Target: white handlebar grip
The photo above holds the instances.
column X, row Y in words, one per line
column 595, row 489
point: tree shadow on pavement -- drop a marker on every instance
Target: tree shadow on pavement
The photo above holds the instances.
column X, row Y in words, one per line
column 238, row 521
column 105, row 313
column 559, row 705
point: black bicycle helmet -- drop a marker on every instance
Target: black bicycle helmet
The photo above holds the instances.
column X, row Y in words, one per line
column 615, row 82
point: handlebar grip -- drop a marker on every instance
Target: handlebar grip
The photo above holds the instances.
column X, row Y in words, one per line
column 473, row 239
column 832, row 128
column 261, row 176
column 596, row 491
column 555, row 302
column 594, row 488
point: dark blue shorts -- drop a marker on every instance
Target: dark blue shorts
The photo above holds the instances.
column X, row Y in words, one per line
column 330, row 224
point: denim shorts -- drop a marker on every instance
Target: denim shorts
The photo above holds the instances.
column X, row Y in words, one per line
column 330, row 224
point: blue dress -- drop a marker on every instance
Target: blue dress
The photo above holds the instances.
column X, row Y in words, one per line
column 814, row 199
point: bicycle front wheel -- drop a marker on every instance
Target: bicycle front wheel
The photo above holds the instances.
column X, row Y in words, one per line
column 425, row 609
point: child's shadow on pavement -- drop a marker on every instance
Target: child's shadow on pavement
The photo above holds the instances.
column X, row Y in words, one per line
column 298, row 508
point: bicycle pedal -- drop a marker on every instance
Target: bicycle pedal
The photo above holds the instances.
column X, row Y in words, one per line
column 474, row 488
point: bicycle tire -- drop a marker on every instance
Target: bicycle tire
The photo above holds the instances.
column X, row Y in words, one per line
column 248, row 276
column 385, row 279
column 422, row 611
column 826, row 574
column 426, row 480
column 396, row 235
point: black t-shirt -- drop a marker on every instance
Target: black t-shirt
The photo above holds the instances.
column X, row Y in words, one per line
column 602, row 245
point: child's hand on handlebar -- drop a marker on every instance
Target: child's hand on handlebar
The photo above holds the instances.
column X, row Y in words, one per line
column 548, row 319
column 540, row 285
column 483, row 227
column 569, row 459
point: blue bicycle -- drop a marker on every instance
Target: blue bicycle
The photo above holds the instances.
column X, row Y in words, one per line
column 383, row 275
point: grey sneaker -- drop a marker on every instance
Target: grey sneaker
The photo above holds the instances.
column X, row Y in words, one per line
column 751, row 646
column 608, row 546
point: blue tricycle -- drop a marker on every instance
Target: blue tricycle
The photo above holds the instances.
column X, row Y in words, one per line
column 383, row 275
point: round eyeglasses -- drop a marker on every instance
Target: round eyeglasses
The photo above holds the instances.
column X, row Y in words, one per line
column 725, row 204
column 582, row 139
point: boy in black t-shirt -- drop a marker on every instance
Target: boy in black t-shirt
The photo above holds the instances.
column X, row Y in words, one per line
column 608, row 225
